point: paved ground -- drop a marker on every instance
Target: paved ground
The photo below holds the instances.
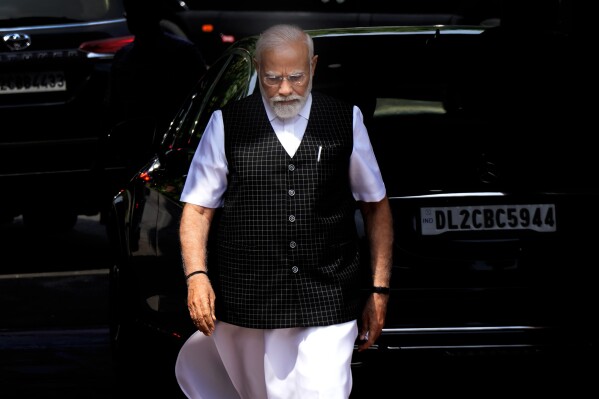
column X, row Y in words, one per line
column 54, row 338
column 56, row 363
column 54, row 313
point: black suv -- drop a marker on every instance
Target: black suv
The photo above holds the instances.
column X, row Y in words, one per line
column 52, row 106
column 493, row 216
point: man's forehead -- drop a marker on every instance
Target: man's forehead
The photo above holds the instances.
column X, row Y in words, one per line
column 284, row 60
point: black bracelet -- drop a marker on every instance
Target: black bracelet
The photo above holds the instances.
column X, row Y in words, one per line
column 194, row 273
column 381, row 290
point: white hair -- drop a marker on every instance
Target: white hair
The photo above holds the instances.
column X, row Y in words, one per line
column 281, row 35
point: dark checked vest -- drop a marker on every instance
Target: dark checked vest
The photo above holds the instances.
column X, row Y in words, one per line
column 286, row 245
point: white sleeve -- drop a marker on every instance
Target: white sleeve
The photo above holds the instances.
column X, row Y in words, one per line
column 365, row 176
column 207, row 177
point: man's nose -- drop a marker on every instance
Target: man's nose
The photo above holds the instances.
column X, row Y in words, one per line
column 285, row 87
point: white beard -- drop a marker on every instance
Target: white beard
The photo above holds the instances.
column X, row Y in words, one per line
column 285, row 110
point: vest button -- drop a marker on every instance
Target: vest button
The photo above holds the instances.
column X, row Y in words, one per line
column 291, row 167
column 292, row 244
column 295, row 269
column 291, row 192
column 291, row 218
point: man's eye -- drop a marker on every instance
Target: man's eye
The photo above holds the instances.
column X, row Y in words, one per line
column 273, row 80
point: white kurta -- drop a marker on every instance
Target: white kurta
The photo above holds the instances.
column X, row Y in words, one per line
column 287, row 363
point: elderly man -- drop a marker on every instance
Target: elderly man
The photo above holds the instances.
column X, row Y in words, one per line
column 278, row 311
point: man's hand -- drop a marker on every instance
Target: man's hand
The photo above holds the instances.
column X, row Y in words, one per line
column 193, row 234
column 200, row 302
column 373, row 320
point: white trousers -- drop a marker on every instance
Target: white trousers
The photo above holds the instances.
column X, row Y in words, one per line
column 289, row 363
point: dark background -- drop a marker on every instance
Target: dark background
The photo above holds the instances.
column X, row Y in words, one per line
column 54, row 313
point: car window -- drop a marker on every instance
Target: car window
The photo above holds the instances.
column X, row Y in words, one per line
column 234, row 83
column 184, row 124
column 229, row 78
column 15, row 12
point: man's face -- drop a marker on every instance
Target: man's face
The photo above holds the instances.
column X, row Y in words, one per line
column 286, row 78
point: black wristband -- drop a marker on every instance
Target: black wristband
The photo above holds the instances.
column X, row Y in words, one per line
column 194, row 273
column 381, row 290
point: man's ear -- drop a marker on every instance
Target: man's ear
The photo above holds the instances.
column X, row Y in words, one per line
column 313, row 63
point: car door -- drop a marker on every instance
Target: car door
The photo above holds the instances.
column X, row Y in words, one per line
column 232, row 77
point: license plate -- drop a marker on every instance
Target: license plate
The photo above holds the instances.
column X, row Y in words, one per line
column 439, row 220
column 32, row 82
